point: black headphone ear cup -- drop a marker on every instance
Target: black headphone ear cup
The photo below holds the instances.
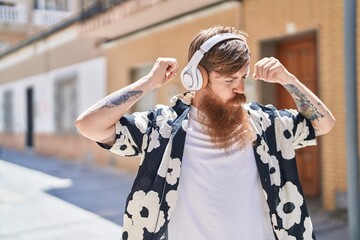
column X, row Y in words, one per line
column 204, row 76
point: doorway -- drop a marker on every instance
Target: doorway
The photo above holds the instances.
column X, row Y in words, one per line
column 30, row 117
column 299, row 57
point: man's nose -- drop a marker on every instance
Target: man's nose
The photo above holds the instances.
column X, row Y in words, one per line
column 239, row 87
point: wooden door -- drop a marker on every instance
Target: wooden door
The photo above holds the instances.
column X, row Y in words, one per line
column 299, row 57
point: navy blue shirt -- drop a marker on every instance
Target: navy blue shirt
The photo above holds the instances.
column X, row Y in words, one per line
column 158, row 137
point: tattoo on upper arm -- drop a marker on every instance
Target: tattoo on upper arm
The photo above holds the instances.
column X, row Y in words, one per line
column 304, row 105
column 123, row 98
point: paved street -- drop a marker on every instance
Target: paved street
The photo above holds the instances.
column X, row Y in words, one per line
column 43, row 198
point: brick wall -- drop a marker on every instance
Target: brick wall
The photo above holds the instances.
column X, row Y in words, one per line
column 268, row 20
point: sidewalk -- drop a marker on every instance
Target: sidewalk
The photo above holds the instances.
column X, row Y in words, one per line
column 49, row 199
column 328, row 226
column 43, row 198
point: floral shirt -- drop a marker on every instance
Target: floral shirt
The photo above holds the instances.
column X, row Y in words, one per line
column 158, row 136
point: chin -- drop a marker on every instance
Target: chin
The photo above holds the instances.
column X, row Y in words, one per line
column 236, row 105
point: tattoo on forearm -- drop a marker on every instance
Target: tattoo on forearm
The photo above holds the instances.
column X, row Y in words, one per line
column 128, row 96
column 304, row 105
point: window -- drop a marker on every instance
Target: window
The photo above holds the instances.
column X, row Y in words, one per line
column 8, row 111
column 150, row 99
column 65, row 105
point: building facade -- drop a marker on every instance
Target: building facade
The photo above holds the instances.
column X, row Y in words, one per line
column 45, row 84
column 21, row 18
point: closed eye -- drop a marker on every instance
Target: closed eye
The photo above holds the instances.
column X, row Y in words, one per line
column 233, row 78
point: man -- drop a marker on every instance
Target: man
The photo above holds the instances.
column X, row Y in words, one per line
column 212, row 166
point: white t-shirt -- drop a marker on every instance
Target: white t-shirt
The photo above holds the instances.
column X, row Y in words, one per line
column 220, row 195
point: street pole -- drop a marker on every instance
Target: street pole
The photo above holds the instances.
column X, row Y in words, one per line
column 351, row 119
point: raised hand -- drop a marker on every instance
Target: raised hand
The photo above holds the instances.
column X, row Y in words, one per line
column 164, row 70
column 271, row 69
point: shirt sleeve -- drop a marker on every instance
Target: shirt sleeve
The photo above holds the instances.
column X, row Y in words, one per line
column 301, row 128
column 130, row 134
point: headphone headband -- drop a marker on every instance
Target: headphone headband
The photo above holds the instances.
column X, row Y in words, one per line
column 208, row 44
column 189, row 74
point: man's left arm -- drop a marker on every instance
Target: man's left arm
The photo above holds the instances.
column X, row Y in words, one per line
column 308, row 104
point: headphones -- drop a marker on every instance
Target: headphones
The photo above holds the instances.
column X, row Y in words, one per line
column 194, row 76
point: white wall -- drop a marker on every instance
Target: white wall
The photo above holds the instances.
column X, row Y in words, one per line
column 91, row 80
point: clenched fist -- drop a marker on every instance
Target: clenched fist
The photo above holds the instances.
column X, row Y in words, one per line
column 164, row 70
column 272, row 70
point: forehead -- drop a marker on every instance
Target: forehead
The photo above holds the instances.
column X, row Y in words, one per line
column 239, row 74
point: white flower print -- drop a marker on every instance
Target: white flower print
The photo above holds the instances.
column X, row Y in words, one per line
column 145, row 142
column 160, row 222
column 284, row 137
column 283, row 235
column 302, row 132
column 263, row 121
column 145, row 210
column 144, row 146
column 308, row 229
column 187, row 99
column 289, row 206
column 262, row 150
column 184, row 124
column 163, row 169
column 273, row 162
column 274, row 220
column 142, row 158
column 141, row 121
column 171, row 199
column 133, row 232
column 169, row 167
column 164, row 127
column 173, row 171
column 274, row 171
column 265, row 194
column 154, row 140
column 173, row 100
column 123, row 145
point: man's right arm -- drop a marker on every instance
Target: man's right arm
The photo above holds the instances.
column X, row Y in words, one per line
column 98, row 122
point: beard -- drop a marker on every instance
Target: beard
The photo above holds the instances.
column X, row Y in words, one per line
column 227, row 123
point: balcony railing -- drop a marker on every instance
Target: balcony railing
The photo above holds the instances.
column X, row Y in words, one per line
column 40, row 17
column 89, row 10
column 86, row 12
column 13, row 15
column 48, row 17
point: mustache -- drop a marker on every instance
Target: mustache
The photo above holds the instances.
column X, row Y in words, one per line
column 238, row 99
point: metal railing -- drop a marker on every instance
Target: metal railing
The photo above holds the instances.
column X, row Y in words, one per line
column 15, row 15
column 42, row 17
column 89, row 10
column 85, row 13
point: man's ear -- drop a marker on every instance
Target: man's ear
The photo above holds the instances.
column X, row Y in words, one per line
column 205, row 76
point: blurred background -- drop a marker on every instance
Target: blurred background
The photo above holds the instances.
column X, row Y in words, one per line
column 58, row 57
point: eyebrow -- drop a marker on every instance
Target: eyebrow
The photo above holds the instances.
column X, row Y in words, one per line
column 235, row 77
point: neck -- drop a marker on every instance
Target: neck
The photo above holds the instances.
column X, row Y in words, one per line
column 197, row 98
